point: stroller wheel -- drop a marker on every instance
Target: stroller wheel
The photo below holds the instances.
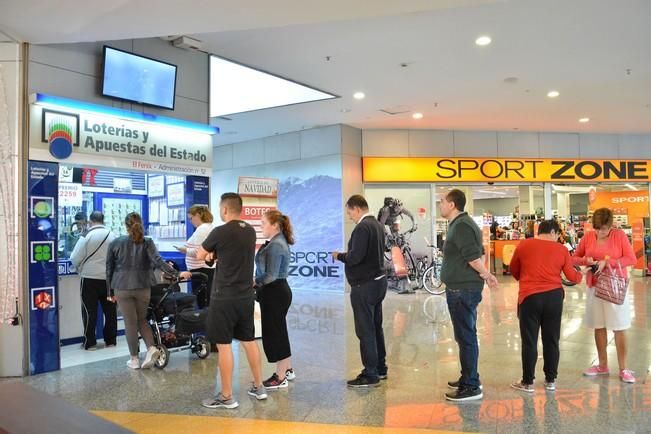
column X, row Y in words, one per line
column 163, row 358
column 202, row 348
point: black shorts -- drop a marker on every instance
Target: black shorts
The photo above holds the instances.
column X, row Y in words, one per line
column 230, row 319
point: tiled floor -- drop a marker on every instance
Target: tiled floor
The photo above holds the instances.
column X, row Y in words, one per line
column 422, row 357
column 74, row 355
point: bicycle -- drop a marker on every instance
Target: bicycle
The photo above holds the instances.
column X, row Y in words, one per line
column 431, row 277
column 415, row 268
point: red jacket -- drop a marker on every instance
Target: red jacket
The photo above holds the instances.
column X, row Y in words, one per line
column 538, row 263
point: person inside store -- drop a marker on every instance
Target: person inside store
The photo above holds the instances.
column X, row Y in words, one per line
column 130, row 262
column 529, row 230
column 230, row 313
column 79, row 227
column 275, row 296
column 201, row 218
column 89, row 258
column 537, row 265
column 364, row 268
column 497, row 232
column 464, row 274
column 606, row 248
column 515, row 230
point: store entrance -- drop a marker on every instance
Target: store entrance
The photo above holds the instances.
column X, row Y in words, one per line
column 162, row 200
column 510, row 210
column 574, row 204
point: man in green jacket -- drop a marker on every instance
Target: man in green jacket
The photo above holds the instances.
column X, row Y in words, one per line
column 464, row 274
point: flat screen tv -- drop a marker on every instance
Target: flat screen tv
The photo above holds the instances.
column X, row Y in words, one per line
column 138, row 79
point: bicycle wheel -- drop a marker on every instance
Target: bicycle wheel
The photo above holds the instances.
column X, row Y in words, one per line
column 412, row 272
column 432, row 281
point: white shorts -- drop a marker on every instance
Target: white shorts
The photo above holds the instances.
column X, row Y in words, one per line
column 601, row 314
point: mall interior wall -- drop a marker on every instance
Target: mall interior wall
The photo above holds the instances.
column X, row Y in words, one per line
column 11, row 211
column 486, row 144
column 318, row 169
column 75, row 71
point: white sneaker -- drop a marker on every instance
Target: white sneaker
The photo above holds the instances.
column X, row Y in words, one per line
column 290, row 375
column 133, row 364
column 152, row 356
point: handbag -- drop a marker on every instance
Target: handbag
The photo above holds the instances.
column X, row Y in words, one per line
column 610, row 286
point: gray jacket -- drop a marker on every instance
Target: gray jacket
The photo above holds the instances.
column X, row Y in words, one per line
column 94, row 267
column 131, row 266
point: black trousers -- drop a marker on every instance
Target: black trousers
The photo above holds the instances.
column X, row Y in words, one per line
column 202, row 293
column 92, row 292
column 543, row 312
column 275, row 299
column 366, row 301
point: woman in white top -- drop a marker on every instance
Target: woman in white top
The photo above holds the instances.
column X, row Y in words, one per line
column 201, row 218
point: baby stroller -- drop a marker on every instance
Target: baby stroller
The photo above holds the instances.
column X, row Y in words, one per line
column 175, row 323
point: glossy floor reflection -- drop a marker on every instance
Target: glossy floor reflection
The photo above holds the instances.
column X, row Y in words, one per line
column 422, row 357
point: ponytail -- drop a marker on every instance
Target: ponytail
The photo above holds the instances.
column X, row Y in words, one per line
column 274, row 216
column 135, row 228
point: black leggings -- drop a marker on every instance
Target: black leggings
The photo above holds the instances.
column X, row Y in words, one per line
column 275, row 299
column 543, row 312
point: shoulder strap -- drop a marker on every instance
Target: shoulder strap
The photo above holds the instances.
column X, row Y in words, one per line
column 108, row 232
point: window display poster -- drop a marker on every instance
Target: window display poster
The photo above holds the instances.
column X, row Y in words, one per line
column 175, row 194
column 70, row 194
column 156, row 186
column 310, row 195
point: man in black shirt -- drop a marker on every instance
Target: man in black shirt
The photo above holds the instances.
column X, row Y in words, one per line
column 364, row 262
column 230, row 316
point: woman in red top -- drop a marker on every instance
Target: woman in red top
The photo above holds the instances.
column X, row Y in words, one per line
column 606, row 245
column 537, row 264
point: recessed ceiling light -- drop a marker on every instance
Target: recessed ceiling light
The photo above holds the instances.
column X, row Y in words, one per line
column 553, row 93
column 417, row 115
column 584, row 120
column 359, row 95
column 483, row 40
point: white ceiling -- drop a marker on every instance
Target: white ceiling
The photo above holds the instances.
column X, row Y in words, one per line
column 582, row 48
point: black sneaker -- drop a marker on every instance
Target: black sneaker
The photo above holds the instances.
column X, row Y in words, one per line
column 383, row 376
column 274, row 382
column 454, row 385
column 364, row 381
column 464, row 394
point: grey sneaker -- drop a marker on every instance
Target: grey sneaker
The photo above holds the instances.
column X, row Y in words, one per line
column 523, row 387
column 550, row 385
column 220, row 401
column 259, row 392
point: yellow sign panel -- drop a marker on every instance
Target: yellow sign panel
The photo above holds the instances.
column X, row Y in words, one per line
column 379, row 169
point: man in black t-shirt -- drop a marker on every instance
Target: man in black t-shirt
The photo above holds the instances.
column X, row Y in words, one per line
column 230, row 314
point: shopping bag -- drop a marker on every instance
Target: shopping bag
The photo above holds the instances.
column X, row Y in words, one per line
column 611, row 286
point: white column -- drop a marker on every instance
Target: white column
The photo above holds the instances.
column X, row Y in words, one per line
column 548, row 200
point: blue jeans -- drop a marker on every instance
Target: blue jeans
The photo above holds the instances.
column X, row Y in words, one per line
column 462, row 304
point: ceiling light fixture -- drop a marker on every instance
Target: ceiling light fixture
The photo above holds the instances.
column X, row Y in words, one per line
column 345, row 110
column 553, row 93
column 417, row 115
column 359, row 95
column 584, row 120
column 483, row 40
